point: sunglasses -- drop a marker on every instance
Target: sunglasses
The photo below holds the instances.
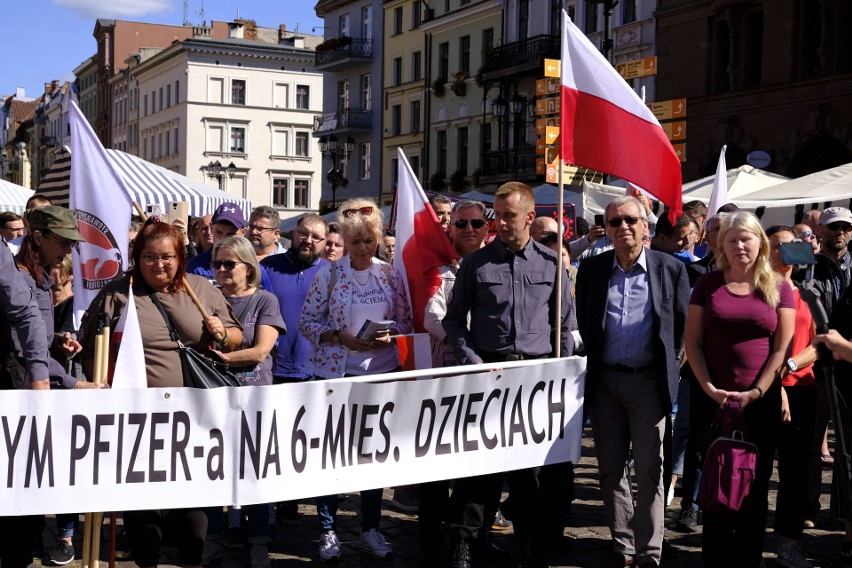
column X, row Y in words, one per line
column 805, row 235
column 362, row 210
column 615, row 222
column 475, row 223
column 226, row 264
column 839, row 226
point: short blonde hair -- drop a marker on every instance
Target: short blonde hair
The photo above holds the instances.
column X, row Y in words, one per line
column 242, row 249
column 525, row 193
column 358, row 223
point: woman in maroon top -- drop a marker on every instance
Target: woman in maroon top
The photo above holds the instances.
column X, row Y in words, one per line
column 738, row 334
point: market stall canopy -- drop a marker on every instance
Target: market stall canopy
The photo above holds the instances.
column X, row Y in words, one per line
column 149, row 184
column 13, row 197
column 741, row 181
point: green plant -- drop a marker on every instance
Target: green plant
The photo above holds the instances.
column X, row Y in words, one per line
column 457, row 181
column 437, row 182
column 438, row 86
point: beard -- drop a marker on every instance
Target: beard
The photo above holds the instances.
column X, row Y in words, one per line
column 306, row 256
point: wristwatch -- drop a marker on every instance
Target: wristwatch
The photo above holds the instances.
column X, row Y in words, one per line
column 791, row 364
column 223, row 343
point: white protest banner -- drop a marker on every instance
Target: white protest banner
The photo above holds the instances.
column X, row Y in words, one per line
column 128, row 449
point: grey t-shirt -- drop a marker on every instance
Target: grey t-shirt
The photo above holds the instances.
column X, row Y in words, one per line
column 265, row 311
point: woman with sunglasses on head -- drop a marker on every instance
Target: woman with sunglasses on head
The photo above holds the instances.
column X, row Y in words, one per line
column 342, row 297
column 739, row 330
column 159, row 267
column 238, row 273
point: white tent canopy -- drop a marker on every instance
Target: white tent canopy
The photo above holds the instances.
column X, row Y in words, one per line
column 13, row 197
column 741, row 181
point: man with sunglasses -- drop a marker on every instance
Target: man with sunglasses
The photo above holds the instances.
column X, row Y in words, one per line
column 631, row 310
column 503, row 309
column 806, row 235
column 227, row 221
column 832, row 271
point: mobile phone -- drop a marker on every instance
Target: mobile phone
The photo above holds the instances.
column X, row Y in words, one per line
column 794, row 253
column 599, row 220
column 179, row 210
column 153, row 209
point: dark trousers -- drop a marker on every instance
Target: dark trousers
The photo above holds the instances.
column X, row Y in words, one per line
column 794, row 453
column 148, row 530
column 434, row 504
column 18, row 536
column 702, row 409
column 737, row 542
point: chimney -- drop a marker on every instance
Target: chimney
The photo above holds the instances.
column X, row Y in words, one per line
column 47, row 88
column 235, row 30
column 201, row 31
column 20, row 92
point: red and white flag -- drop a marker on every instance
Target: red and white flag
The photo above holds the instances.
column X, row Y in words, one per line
column 606, row 127
column 719, row 195
column 103, row 214
column 129, row 370
column 422, row 245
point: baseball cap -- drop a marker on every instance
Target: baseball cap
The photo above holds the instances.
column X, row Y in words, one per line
column 58, row 220
column 581, row 226
column 833, row 214
column 230, row 212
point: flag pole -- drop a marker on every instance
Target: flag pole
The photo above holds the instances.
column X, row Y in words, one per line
column 185, row 283
column 557, row 325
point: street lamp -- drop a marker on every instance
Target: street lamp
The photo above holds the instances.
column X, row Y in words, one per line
column 215, row 170
column 608, row 6
column 328, row 149
column 500, row 108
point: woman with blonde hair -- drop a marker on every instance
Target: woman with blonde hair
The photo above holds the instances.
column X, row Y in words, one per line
column 738, row 333
column 344, row 295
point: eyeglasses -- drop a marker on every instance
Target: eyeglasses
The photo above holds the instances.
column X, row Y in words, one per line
column 839, row 226
column 368, row 210
column 306, row 235
column 259, row 229
column 226, row 264
column 151, row 259
column 805, row 235
column 475, row 223
column 615, row 222
column 62, row 241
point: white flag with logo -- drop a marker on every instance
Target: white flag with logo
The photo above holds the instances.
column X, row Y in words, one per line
column 103, row 214
column 129, row 371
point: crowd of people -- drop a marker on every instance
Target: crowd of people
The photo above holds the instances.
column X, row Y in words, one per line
column 675, row 314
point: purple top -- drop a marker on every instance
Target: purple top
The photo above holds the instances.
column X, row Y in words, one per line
column 737, row 330
column 265, row 312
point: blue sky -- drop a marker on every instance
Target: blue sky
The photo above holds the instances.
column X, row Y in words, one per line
column 47, row 39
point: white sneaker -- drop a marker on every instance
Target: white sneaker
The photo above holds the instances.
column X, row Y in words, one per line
column 329, row 546
column 259, row 556
column 373, row 542
column 670, row 495
column 791, row 556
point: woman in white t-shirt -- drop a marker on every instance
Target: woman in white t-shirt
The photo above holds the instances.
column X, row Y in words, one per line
column 342, row 297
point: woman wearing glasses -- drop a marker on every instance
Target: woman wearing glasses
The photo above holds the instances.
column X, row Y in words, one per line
column 344, row 295
column 159, row 267
column 238, row 273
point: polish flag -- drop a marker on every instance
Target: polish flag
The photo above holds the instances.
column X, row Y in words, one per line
column 422, row 245
column 605, row 126
column 129, row 370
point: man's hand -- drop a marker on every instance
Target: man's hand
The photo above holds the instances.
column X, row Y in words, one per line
column 595, row 232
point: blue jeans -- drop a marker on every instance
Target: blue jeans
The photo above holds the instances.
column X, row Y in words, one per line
column 65, row 524
column 680, row 427
column 371, row 510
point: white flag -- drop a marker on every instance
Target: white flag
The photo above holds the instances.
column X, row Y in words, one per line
column 103, row 214
column 129, row 371
column 719, row 196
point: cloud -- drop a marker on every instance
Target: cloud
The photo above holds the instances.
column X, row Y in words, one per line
column 115, row 8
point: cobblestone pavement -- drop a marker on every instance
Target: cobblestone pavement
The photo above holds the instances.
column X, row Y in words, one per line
column 586, row 537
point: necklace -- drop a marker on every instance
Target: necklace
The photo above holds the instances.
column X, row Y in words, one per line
column 361, row 276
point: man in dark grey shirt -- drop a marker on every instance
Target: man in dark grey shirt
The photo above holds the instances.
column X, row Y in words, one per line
column 508, row 288
column 20, row 316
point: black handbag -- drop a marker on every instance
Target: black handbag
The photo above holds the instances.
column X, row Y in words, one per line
column 199, row 372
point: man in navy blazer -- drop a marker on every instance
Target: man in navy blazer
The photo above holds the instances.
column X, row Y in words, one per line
column 631, row 307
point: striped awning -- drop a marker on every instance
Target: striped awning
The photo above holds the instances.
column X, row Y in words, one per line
column 151, row 184
column 148, row 183
column 13, row 197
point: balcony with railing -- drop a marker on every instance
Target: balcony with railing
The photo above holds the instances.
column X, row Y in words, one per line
column 502, row 162
column 349, row 120
column 521, row 55
column 337, row 52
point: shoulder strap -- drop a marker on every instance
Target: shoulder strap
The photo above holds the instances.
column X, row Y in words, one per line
column 332, row 278
column 173, row 334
